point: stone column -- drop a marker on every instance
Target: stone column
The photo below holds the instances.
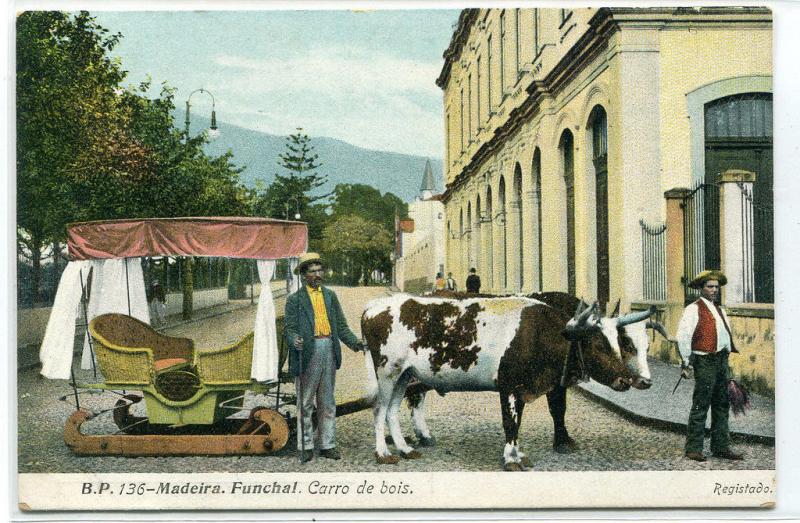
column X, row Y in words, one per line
column 674, row 260
column 530, row 238
column 498, row 261
column 736, row 240
column 487, row 237
column 513, row 243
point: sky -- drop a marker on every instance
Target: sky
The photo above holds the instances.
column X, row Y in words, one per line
column 364, row 77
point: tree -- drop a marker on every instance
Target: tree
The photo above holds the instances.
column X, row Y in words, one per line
column 356, row 246
column 89, row 149
column 366, row 201
column 70, row 124
column 291, row 193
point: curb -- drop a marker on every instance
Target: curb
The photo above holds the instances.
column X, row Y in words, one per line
column 671, row 426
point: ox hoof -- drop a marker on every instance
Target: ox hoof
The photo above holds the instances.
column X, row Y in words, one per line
column 414, row 454
column 567, row 446
column 513, row 467
column 387, row 460
column 526, row 462
column 427, row 442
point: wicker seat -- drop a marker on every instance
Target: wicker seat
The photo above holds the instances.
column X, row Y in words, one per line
column 130, row 351
column 227, row 365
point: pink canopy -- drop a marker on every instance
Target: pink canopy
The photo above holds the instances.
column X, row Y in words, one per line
column 232, row 237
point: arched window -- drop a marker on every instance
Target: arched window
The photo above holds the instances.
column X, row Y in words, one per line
column 490, row 238
column 598, row 124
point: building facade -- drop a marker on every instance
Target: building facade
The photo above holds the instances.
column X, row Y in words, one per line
column 577, row 137
column 421, row 246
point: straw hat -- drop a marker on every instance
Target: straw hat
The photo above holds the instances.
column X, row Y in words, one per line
column 703, row 277
column 306, row 259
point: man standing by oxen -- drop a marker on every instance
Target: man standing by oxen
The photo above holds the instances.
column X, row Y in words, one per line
column 314, row 326
column 705, row 341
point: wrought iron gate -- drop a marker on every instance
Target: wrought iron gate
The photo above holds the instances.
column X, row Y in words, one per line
column 654, row 266
column 701, row 248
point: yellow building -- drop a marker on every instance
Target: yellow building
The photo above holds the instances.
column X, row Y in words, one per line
column 570, row 131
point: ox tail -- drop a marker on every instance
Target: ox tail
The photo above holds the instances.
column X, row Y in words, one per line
column 371, row 388
column 371, row 385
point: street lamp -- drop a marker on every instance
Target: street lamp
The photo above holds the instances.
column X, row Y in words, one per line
column 214, row 130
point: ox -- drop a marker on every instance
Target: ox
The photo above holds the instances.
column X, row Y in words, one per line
column 517, row 346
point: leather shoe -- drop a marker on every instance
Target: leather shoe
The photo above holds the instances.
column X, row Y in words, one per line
column 728, row 454
column 330, row 453
column 306, row 456
column 696, row 456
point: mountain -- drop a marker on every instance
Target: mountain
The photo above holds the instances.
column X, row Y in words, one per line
column 257, row 152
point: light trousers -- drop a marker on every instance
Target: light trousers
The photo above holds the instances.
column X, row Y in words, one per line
column 317, row 384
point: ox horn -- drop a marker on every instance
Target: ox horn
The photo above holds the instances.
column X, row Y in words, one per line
column 616, row 309
column 635, row 317
column 659, row 327
column 584, row 315
column 579, row 308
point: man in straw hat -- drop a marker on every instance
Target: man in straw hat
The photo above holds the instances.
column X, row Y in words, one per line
column 704, row 342
column 314, row 325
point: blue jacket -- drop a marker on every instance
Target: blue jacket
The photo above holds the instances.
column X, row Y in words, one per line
column 299, row 321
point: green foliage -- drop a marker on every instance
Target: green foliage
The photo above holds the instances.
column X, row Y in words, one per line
column 367, row 202
column 89, row 149
column 356, row 246
column 290, row 194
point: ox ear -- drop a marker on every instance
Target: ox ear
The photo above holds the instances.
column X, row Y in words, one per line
column 616, row 309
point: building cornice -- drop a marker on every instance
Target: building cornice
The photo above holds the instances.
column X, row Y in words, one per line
column 602, row 25
column 457, row 42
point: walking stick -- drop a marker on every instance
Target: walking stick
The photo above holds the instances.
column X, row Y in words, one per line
column 300, row 406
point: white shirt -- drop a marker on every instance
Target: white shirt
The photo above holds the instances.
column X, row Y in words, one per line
column 688, row 324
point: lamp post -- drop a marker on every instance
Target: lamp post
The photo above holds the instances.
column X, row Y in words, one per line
column 213, row 127
column 188, row 285
column 296, row 200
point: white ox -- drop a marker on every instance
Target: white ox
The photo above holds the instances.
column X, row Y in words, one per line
column 515, row 345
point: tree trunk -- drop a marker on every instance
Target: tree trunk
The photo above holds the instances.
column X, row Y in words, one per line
column 36, row 268
column 188, row 287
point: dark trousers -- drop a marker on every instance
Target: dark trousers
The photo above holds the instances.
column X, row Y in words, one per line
column 711, row 374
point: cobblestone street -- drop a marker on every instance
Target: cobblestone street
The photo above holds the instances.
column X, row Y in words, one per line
column 467, row 426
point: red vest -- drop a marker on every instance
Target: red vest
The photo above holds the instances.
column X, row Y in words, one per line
column 704, row 338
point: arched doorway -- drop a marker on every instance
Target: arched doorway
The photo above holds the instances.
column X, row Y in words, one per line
column 520, row 279
column 598, row 125
column 566, row 149
column 489, row 239
column 536, row 172
column 738, row 135
column 501, row 200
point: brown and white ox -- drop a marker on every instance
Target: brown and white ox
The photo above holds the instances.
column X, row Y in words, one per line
column 515, row 345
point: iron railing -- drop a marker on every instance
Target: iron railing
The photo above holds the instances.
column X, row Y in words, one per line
column 701, row 249
column 654, row 265
column 758, row 276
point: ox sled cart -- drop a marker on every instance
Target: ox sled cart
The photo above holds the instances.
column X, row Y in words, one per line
column 167, row 396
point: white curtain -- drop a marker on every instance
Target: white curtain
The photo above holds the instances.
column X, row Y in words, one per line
column 294, row 284
column 110, row 292
column 265, row 343
column 59, row 336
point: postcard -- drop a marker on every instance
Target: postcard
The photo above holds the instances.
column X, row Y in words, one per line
column 480, row 258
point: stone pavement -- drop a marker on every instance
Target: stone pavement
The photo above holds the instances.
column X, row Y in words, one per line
column 659, row 408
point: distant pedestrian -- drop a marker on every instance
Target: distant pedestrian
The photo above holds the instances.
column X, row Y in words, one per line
column 439, row 284
column 157, row 304
column 450, row 284
column 705, row 341
column 473, row 282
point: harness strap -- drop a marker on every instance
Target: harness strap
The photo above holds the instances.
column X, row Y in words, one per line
column 577, row 349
